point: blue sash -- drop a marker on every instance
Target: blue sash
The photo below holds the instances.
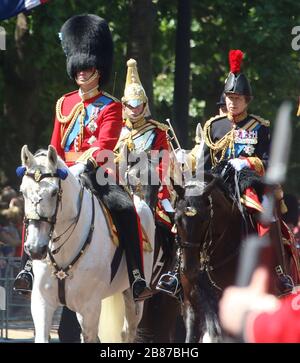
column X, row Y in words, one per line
column 93, row 108
column 239, row 147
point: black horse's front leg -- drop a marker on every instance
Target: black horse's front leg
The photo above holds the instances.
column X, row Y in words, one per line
column 194, row 318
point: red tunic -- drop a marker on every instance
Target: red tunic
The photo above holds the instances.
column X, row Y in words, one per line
column 280, row 326
column 106, row 134
column 161, row 143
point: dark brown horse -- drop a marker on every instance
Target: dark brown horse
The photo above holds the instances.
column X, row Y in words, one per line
column 211, row 226
column 210, row 229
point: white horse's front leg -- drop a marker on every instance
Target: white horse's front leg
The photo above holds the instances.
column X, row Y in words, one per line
column 133, row 315
column 43, row 301
column 42, row 314
column 89, row 322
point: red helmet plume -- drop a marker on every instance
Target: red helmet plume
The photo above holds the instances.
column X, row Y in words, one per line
column 235, row 60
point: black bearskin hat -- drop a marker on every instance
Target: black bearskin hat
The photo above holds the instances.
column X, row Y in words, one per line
column 87, row 42
column 236, row 81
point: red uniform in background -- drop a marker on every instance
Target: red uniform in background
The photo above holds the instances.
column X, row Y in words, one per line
column 280, row 326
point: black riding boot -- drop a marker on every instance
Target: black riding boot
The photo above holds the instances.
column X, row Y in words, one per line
column 170, row 282
column 24, row 280
column 124, row 216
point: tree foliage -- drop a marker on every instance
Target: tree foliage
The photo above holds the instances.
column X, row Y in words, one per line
column 33, row 77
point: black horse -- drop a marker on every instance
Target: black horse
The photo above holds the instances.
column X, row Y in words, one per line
column 211, row 225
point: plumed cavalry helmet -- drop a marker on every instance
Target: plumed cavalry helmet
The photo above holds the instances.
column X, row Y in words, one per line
column 134, row 93
column 236, row 81
column 87, row 42
column 221, row 101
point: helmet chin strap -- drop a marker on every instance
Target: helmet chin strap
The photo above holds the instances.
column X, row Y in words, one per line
column 94, row 76
column 91, row 92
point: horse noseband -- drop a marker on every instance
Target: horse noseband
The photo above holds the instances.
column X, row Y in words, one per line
column 190, row 211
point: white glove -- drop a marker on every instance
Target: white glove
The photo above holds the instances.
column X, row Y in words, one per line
column 239, row 164
column 181, row 156
column 77, row 169
column 167, row 206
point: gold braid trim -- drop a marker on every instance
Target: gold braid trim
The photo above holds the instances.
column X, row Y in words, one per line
column 77, row 110
column 257, row 164
column 227, row 141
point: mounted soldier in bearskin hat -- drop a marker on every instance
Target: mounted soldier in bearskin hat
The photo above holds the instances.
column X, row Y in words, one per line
column 87, row 122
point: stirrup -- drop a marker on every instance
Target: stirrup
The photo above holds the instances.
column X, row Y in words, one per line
column 163, row 285
column 23, row 282
column 140, row 290
column 285, row 280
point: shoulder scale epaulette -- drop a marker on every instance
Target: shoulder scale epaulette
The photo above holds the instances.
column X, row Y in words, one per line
column 110, row 96
column 261, row 120
column 159, row 125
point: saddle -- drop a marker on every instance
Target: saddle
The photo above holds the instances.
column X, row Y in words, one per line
column 86, row 181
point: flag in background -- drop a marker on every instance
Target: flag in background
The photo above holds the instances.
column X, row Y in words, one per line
column 9, row 8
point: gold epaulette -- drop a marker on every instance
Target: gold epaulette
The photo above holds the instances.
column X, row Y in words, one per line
column 261, row 120
column 159, row 125
column 110, row 96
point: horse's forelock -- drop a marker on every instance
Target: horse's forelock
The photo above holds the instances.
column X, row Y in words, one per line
column 41, row 155
column 195, row 188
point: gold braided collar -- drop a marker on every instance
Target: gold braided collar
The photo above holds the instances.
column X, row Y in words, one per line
column 135, row 125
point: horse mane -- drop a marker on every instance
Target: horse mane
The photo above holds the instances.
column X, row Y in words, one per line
column 247, row 178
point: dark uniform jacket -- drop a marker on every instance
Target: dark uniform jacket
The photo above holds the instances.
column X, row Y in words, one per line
column 248, row 138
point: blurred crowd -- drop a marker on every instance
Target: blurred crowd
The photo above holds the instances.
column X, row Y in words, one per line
column 11, row 222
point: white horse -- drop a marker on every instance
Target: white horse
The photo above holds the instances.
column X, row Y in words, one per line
column 70, row 244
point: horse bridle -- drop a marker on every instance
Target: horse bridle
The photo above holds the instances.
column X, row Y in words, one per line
column 37, row 176
column 187, row 244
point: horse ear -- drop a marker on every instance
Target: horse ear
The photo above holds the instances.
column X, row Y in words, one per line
column 179, row 190
column 52, row 157
column 26, row 157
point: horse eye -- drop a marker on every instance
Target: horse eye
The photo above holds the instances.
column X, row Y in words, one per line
column 22, row 192
column 54, row 192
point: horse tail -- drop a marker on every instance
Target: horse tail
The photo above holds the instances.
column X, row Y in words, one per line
column 111, row 319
